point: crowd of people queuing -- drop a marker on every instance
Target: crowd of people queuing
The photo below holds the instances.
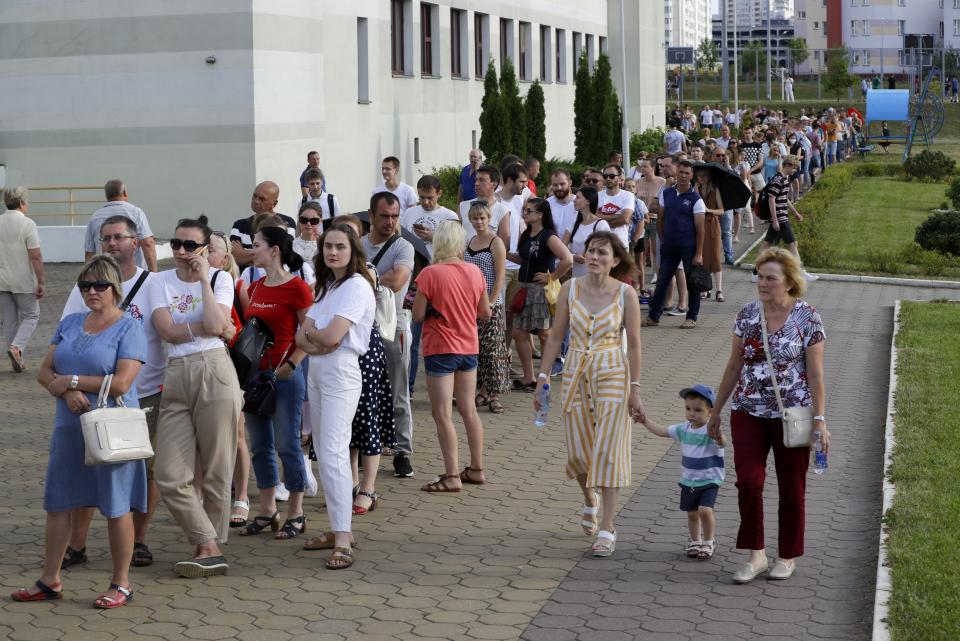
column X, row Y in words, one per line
column 556, row 269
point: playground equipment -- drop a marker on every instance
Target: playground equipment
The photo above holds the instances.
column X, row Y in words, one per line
column 924, row 114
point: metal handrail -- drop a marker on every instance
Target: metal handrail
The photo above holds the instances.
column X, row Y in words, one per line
column 71, row 199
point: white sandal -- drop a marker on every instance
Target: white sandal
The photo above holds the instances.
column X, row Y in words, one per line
column 706, row 550
column 589, row 527
column 693, row 548
column 237, row 519
column 605, row 544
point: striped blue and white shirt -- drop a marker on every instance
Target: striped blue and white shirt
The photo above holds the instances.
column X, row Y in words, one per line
column 702, row 462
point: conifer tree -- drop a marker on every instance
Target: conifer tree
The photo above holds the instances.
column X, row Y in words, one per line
column 510, row 96
column 536, row 117
column 583, row 111
column 494, row 122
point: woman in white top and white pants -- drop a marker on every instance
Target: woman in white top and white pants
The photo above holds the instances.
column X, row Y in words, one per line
column 336, row 332
column 200, row 403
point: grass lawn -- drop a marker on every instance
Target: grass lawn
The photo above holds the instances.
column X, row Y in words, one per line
column 878, row 213
column 924, row 521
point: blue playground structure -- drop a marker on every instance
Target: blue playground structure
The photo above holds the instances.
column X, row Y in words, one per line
column 923, row 115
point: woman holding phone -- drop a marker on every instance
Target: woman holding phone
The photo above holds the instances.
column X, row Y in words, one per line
column 201, row 397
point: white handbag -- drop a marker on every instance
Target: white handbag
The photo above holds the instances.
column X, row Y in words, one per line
column 114, row 434
column 386, row 312
column 797, row 421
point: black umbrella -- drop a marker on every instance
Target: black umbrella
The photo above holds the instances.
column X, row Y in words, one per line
column 418, row 245
column 733, row 191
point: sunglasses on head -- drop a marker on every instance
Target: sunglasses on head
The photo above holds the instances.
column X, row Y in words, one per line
column 309, row 221
column 98, row 286
column 478, row 202
column 190, row 245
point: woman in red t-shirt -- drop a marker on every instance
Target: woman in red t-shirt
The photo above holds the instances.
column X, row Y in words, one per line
column 281, row 300
column 451, row 296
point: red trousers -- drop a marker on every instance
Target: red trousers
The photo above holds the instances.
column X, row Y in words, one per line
column 752, row 439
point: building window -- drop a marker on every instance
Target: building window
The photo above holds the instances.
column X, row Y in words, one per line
column 866, row 3
column 577, row 51
column 824, row 26
column 506, row 41
column 856, row 57
column 816, row 25
column 801, row 15
column 853, row 28
column 481, row 44
column 546, row 54
column 429, row 39
column 363, row 62
column 956, row 27
column 901, row 27
column 956, row 4
column 866, row 57
column 866, row 27
column 401, row 51
column 459, row 59
column 853, row 3
column 526, row 51
column 591, row 52
column 603, row 45
column 561, row 57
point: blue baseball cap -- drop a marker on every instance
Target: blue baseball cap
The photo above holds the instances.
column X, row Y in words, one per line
column 700, row 390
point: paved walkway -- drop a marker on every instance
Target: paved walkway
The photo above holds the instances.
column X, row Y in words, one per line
column 505, row 560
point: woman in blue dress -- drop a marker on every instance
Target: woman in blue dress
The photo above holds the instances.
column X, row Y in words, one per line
column 85, row 348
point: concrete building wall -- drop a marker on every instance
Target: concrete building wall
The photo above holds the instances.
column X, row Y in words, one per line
column 111, row 88
column 809, row 21
column 686, row 22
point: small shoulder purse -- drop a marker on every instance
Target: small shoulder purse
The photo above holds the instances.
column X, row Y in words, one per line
column 797, row 421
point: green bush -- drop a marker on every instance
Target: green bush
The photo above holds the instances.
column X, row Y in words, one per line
column 930, row 166
column 910, row 253
column 873, row 169
column 550, row 164
column 816, row 252
column 648, row 140
column 881, row 260
column 953, row 192
column 449, row 177
column 940, row 232
column 933, row 263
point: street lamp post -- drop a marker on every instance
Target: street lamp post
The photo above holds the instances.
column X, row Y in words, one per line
column 769, row 54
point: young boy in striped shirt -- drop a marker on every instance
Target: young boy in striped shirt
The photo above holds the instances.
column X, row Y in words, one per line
column 702, row 467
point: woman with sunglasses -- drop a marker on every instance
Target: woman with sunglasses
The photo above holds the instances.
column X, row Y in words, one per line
column 85, row 348
column 310, row 227
column 200, row 405
column 542, row 257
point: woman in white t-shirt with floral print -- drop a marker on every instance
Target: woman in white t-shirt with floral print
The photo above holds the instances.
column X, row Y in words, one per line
column 200, row 404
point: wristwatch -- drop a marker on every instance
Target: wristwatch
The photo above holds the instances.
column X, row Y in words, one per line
column 74, row 382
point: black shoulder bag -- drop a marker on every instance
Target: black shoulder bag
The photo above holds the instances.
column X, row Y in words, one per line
column 125, row 305
column 260, row 395
column 254, row 340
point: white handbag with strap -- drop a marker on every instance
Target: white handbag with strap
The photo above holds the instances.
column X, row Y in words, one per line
column 797, row 421
column 114, row 434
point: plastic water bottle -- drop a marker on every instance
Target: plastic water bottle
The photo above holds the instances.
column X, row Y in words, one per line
column 540, row 417
column 819, row 456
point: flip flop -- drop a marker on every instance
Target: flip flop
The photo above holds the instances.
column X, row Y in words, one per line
column 16, row 359
column 46, row 593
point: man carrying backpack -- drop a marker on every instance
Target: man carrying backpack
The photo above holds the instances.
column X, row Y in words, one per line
column 774, row 205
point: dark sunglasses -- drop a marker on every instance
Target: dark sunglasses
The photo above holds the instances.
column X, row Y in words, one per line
column 309, row 221
column 591, row 181
column 611, row 176
column 98, row 286
column 190, row 245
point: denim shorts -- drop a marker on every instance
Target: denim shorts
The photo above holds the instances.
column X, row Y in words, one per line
column 692, row 498
column 446, row 364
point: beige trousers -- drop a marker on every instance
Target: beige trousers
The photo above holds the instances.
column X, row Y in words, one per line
column 198, row 426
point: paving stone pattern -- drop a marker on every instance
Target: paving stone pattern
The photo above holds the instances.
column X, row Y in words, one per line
column 501, row 561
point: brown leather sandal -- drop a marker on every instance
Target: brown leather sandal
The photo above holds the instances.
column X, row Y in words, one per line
column 439, row 484
column 465, row 476
column 341, row 559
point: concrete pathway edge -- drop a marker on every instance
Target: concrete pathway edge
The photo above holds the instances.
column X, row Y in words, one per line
column 884, row 584
column 879, row 280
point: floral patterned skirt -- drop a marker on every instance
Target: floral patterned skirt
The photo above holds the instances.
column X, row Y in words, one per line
column 493, row 367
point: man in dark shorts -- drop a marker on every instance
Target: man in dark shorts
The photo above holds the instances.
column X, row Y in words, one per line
column 778, row 193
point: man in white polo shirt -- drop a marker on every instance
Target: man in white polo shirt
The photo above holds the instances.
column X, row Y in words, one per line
column 616, row 205
column 561, row 202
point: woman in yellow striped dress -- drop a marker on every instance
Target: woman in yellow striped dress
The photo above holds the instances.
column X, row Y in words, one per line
column 601, row 393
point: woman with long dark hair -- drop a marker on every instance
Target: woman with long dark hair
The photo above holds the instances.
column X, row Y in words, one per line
column 601, row 380
column 542, row 257
column 336, row 332
column 586, row 203
column 281, row 300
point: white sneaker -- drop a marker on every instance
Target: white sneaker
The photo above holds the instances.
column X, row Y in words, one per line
column 810, row 277
column 653, row 281
column 281, row 492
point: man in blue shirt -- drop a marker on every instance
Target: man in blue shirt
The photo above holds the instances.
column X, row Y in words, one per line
column 468, row 176
column 680, row 227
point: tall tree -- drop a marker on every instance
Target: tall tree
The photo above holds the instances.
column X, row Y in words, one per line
column 753, row 58
column 494, row 118
column 536, row 121
column 607, row 107
column 798, row 52
column 838, row 77
column 707, row 55
column 510, row 94
column 583, row 110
